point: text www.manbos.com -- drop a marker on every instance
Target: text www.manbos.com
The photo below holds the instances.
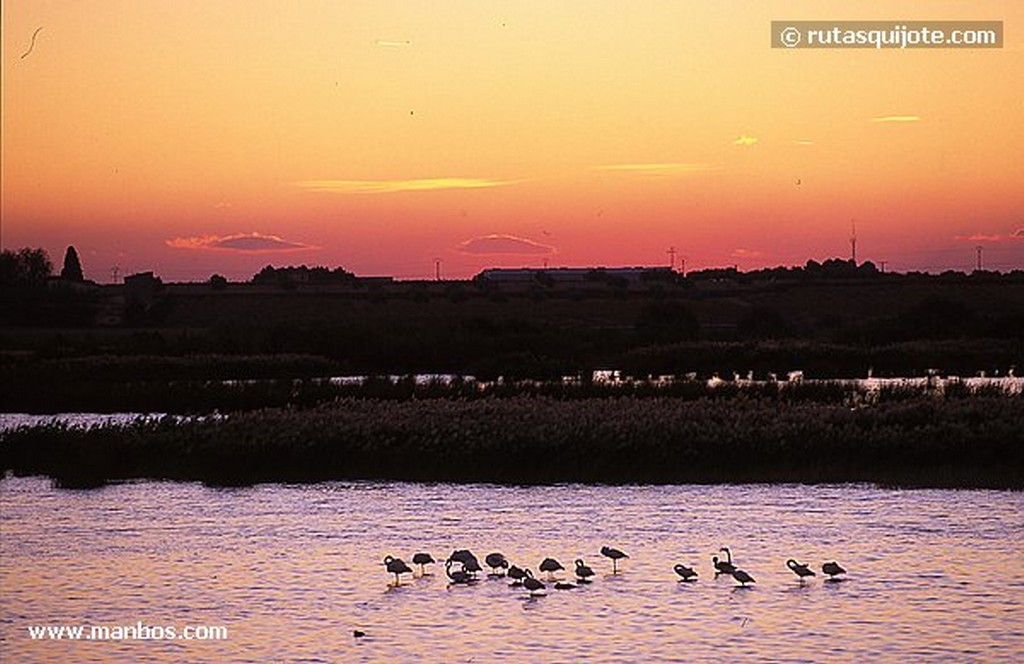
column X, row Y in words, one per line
column 137, row 632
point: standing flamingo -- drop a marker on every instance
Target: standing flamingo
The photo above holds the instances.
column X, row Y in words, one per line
column 469, row 562
column 743, row 578
column 550, row 565
column 532, row 584
column 832, row 569
column 496, row 561
column 517, row 574
column 686, row 573
column 583, row 571
column 396, row 566
column 615, row 555
column 798, row 569
column 461, row 556
column 422, row 559
column 457, row 576
column 723, row 566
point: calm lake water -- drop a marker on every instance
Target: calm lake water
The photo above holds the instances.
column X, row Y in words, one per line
column 293, row 570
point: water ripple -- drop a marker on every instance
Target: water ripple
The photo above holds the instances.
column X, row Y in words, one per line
column 293, row 570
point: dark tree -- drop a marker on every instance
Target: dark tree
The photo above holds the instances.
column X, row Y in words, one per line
column 26, row 267
column 8, row 268
column 72, row 270
column 218, row 282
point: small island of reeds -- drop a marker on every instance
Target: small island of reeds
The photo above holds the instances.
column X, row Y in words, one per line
column 809, row 433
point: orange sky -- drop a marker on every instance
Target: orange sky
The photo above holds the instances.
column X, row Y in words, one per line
column 193, row 137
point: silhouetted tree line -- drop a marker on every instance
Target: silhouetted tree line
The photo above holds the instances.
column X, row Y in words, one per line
column 832, row 268
column 290, row 276
column 838, row 268
column 31, row 295
column 488, row 330
column 31, row 267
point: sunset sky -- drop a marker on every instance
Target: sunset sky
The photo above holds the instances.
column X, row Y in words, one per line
column 194, row 137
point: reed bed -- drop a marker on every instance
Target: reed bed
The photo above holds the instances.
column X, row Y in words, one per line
column 922, row 441
column 204, row 396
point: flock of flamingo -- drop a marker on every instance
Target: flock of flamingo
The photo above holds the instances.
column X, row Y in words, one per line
column 462, row 567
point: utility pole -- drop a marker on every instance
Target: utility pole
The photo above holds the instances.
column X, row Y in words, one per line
column 437, row 269
column 853, row 241
column 882, row 263
column 978, row 248
column 671, row 257
column 682, row 267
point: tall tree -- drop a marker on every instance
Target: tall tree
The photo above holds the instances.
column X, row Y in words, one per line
column 72, row 270
column 26, row 267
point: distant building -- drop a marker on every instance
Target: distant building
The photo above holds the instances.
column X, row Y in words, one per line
column 140, row 289
column 575, row 275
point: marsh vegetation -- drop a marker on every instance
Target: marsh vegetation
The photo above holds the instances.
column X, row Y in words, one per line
column 800, row 434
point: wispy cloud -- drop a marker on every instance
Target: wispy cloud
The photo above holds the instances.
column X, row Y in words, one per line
column 745, row 140
column 746, row 253
column 997, row 237
column 248, row 243
column 804, row 142
column 674, row 168
column 503, row 244
column 896, row 118
column 392, row 43
column 392, row 186
column 980, row 237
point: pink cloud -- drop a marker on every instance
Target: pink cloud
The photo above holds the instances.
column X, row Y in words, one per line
column 246, row 243
column 503, row 244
